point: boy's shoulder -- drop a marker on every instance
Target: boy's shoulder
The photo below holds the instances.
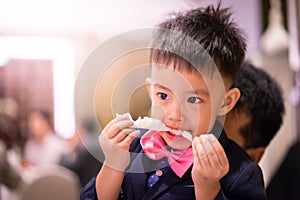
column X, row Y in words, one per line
column 235, row 154
column 244, row 176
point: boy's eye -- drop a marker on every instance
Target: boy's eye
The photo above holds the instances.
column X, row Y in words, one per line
column 163, row 96
column 194, row 100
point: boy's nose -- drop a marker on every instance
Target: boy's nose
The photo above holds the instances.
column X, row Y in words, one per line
column 174, row 115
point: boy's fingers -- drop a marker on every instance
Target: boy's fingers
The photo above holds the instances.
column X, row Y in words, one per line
column 195, row 155
column 199, row 147
column 118, row 118
column 210, row 154
column 202, row 156
column 122, row 134
column 209, row 157
column 117, row 127
column 131, row 136
column 218, row 149
column 124, row 124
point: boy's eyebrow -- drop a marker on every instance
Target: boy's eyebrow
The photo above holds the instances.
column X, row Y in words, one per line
column 160, row 86
column 197, row 91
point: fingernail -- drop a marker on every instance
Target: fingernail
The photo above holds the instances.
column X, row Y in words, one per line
column 202, row 152
column 207, row 145
column 124, row 124
column 123, row 116
column 135, row 133
column 212, row 139
column 127, row 130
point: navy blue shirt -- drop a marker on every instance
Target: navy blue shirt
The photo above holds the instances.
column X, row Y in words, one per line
column 243, row 181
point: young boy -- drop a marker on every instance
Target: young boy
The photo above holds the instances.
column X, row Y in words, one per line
column 257, row 115
column 186, row 94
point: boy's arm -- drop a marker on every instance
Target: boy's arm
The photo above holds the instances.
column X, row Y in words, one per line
column 115, row 141
column 108, row 183
column 210, row 165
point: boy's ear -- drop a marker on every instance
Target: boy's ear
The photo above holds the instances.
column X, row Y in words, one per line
column 232, row 96
column 149, row 88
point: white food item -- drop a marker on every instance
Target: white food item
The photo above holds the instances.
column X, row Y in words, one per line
column 208, row 141
column 187, row 135
column 124, row 115
column 150, row 123
column 155, row 124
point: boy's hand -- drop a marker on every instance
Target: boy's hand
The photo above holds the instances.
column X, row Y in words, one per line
column 210, row 165
column 115, row 141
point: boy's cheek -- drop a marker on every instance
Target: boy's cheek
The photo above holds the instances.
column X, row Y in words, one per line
column 200, row 128
column 191, row 120
column 157, row 112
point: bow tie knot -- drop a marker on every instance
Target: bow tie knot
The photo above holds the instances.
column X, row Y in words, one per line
column 156, row 149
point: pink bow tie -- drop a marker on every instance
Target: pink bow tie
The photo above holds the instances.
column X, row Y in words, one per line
column 155, row 148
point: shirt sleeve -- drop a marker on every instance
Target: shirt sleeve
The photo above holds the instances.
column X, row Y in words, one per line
column 88, row 192
column 248, row 184
column 221, row 195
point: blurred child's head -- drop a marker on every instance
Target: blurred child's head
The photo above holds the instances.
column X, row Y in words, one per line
column 195, row 58
column 257, row 115
column 39, row 123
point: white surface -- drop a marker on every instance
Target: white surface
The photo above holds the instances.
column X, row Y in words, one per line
column 110, row 17
column 62, row 53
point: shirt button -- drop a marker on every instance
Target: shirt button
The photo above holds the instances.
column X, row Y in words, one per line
column 159, row 172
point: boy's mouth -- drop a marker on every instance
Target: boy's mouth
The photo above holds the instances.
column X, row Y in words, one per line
column 167, row 136
column 174, row 141
column 156, row 124
column 181, row 134
column 171, row 135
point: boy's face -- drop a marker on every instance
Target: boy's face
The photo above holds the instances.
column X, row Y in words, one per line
column 184, row 101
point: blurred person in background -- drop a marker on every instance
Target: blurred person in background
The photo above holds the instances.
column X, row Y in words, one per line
column 258, row 114
column 84, row 156
column 43, row 145
column 9, row 176
column 10, row 150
